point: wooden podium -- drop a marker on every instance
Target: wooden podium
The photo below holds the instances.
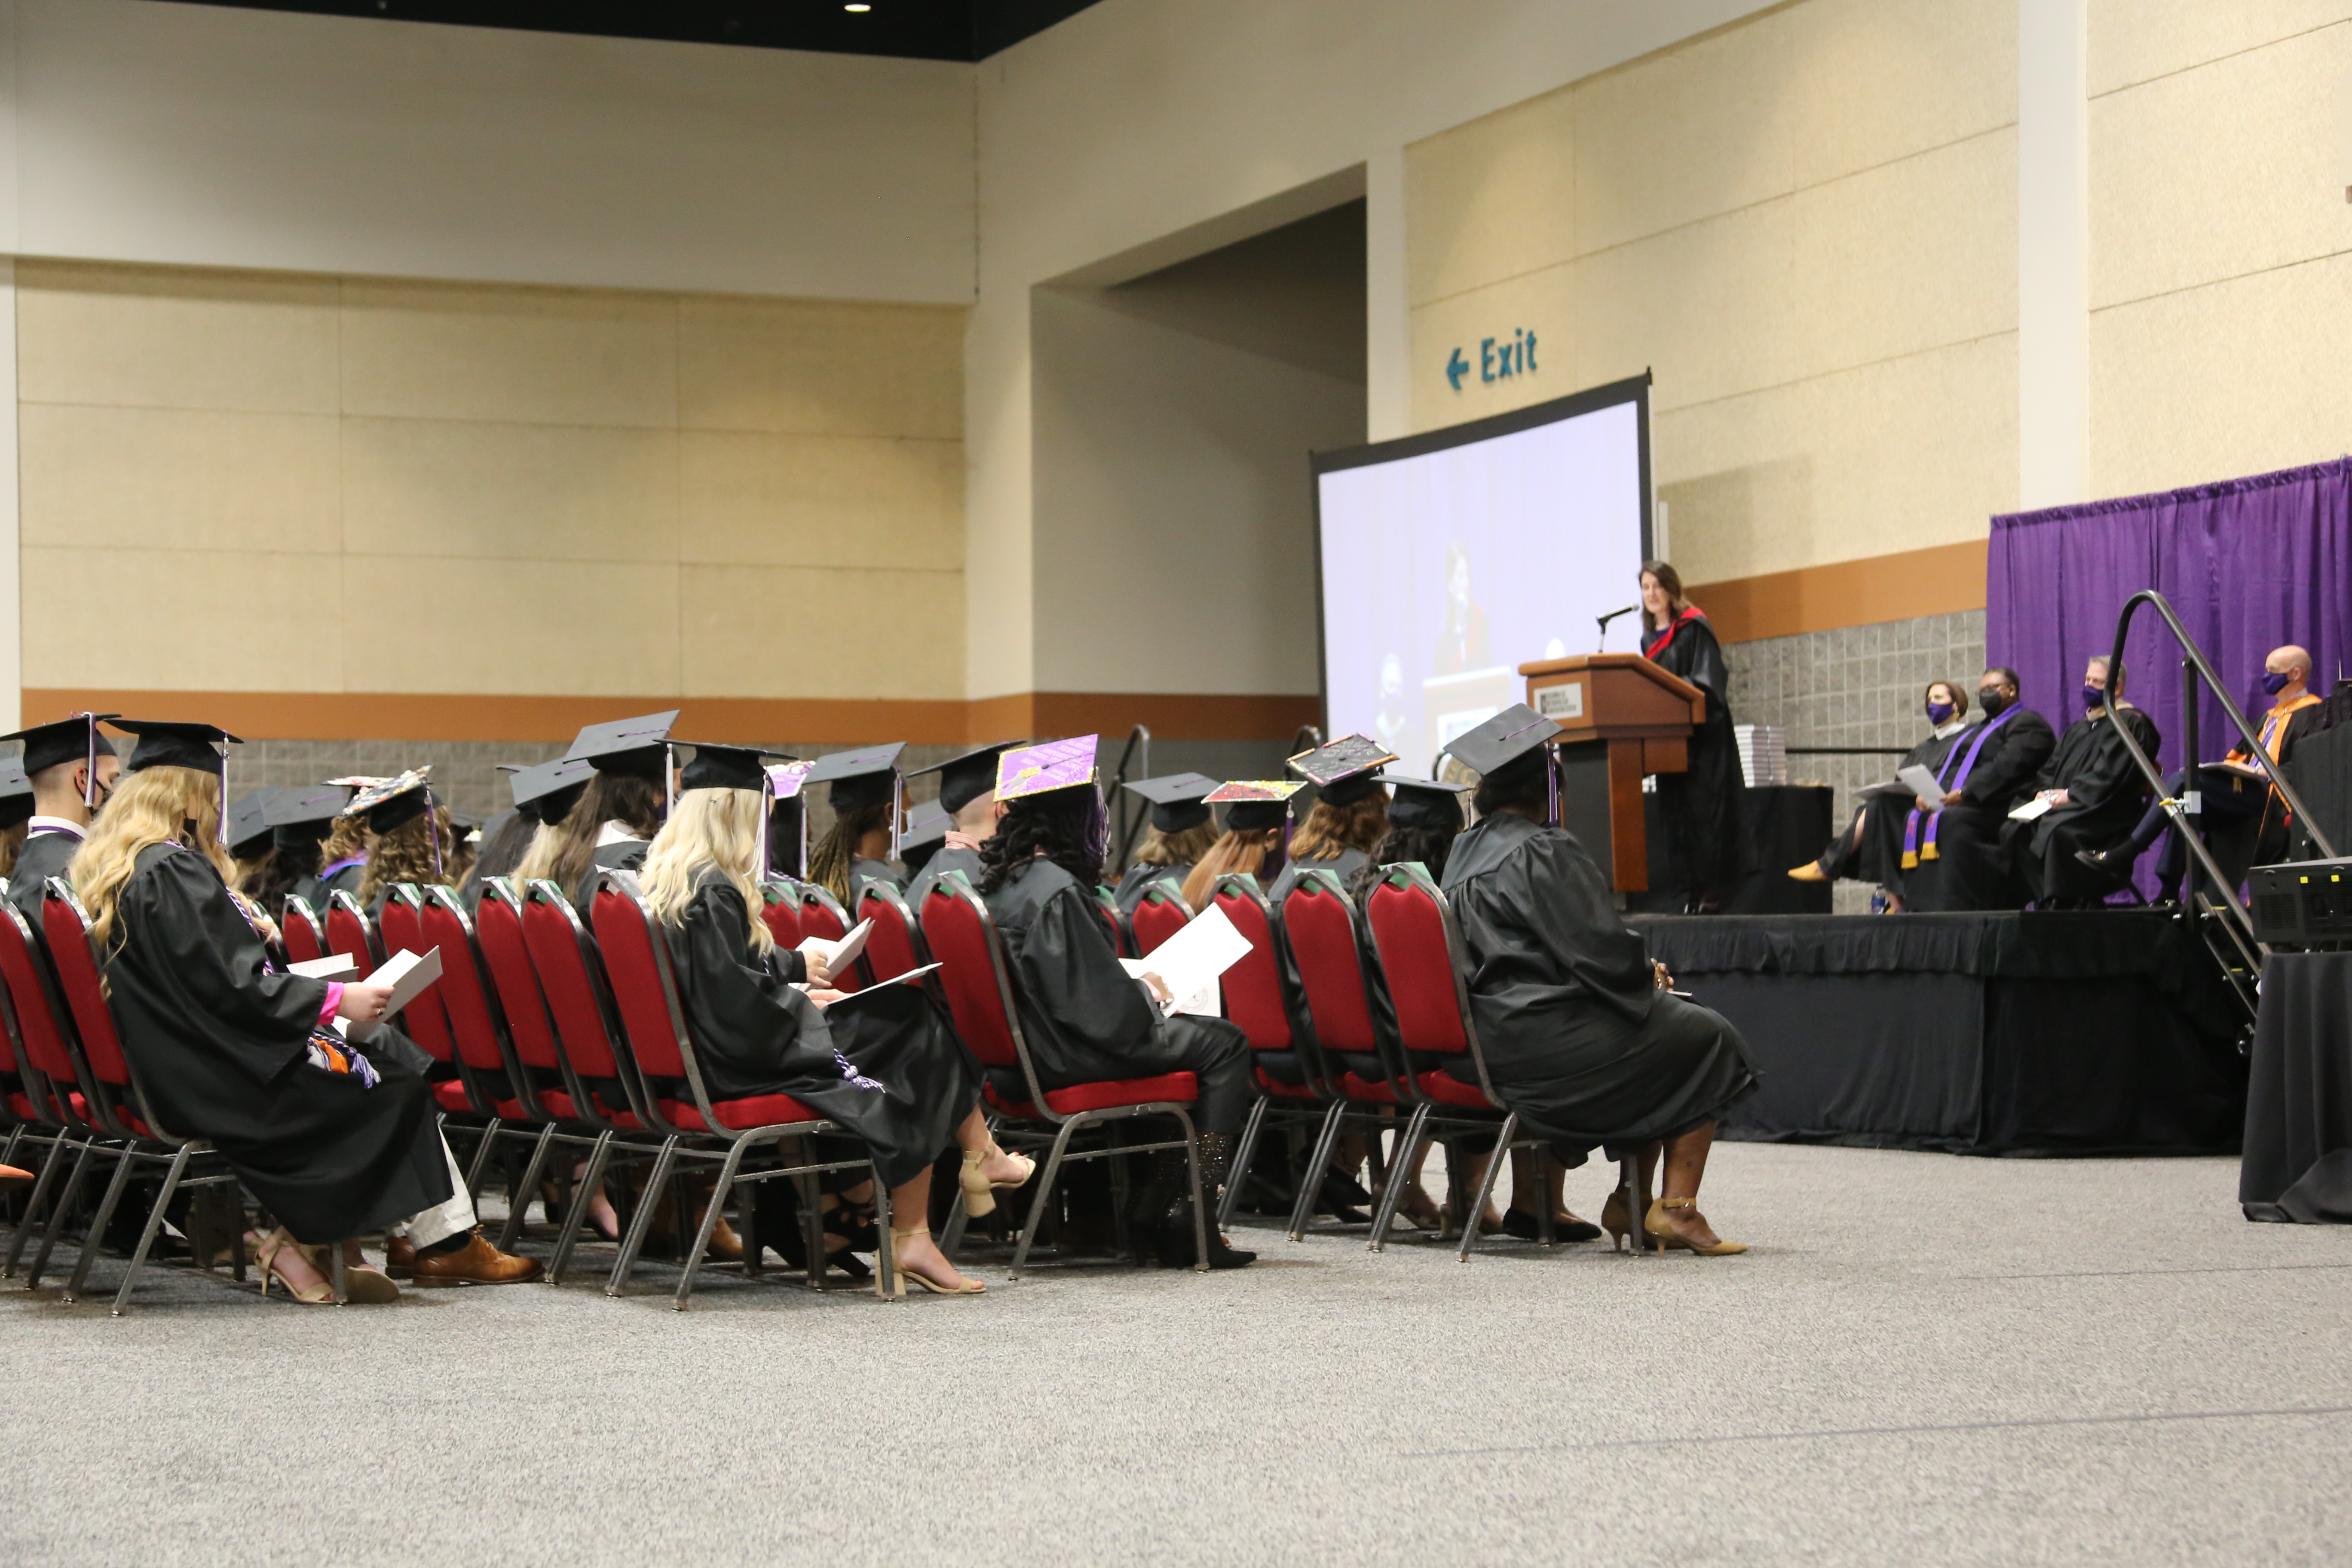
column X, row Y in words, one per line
column 1625, row 718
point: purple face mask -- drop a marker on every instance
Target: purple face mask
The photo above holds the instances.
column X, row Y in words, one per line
column 2274, row 681
column 1940, row 714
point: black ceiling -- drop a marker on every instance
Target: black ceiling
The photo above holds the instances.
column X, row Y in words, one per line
column 910, row 29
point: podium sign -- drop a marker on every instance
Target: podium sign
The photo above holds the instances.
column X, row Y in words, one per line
column 1625, row 718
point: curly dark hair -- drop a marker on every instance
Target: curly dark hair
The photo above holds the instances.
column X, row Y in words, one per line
column 1520, row 782
column 1430, row 845
column 1060, row 824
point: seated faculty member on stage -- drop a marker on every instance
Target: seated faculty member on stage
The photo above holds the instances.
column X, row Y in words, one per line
column 2094, row 793
column 72, row 768
column 1990, row 771
column 1581, row 1036
column 2230, row 794
column 1871, row 847
column 1180, row 831
column 1700, row 813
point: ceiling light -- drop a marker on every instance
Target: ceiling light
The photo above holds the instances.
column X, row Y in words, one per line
column 860, row 6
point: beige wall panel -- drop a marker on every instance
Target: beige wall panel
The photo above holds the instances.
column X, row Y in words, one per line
column 2220, row 171
column 565, row 629
column 1492, row 199
column 1711, row 306
column 821, row 368
column 1702, row 129
column 1907, row 256
column 185, row 620
column 1541, row 302
column 802, row 501
column 1895, row 455
column 430, row 487
column 781, row 631
column 147, row 338
column 2212, row 384
column 149, row 478
column 547, row 356
column 2138, row 40
column 1875, row 80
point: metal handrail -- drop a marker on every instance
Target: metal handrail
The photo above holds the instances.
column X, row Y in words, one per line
column 1130, row 807
column 1305, row 737
column 2195, row 663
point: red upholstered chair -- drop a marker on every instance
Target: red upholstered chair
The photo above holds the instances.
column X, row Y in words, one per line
column 1158, row 915
column 1421, row 956
column 1108, row 903
column 822, row 917
column 1366, row 1074
column 350, row 932
column 112, row 1099
column 471, row 1080
column 297, row 925
column 43, row 1095
column 1293, row 1082
column 781, row 908
column 694, row 1126
column 894, row 947
column 964, row 942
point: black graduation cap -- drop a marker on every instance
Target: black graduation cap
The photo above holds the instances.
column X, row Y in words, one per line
column 1504, row 739
column 15, row 793
column 74, row 740
column 927, row 832
column 724, row 767
column 394, row 802
column 1178, row 800
column 965, row 779
column 636, row 747
column 1253, row 806
column 248, row 825
column 868, row 776
column 1345, row 770
column 547, row 792
column 306, row 807
column 1419, row 803
column 167, row 743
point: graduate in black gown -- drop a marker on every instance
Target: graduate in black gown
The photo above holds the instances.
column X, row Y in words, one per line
column 883, row 1064
column 1871, row 847
column 408, row 837
column 1702, row 811
column 1255, row 842
column 72, row 769
column 1350, row 812
column 250, row 842
column 1181, row 829
column 1084, row 1017
column 543, row 795
column 16, row 810
column 1580, row 1036
column 616, row 816
column 2094, row 794
column 1990, row 772
column 300, row 819
column 866, row 797
column 968, row 798
column 332, row 1136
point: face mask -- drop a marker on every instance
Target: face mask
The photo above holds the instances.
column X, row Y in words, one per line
column 2274, row 681
column 2094, row 697
column 1991, row 701
column 1940, row 714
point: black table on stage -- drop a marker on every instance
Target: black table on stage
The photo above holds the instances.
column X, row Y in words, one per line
column 2298, row 1158
column 1784, row 825
column 2095, row 1033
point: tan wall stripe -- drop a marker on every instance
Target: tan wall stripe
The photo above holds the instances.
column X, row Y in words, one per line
column 1932, row 581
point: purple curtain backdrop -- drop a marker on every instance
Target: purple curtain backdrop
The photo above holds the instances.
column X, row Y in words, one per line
column 2247, row 565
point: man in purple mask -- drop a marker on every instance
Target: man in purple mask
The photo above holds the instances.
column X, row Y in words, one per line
column 2090, row 791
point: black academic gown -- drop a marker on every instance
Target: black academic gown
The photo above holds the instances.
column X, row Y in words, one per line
column 311, row 891
column 950, row 858
column 2105, row 794
column 219, row 1040
column 863, row 871
column 1344, row 866
column 901, row 1080
column 1086, row 1019
column 1577, row 1036
column 1128, row 894
column 46, row 854
column 1973, row 871
column 1871, row 849
column 1700, row 810
column 346, row 881
column 627, row 855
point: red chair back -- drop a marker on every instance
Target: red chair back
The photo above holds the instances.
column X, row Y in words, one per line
column 894, row 946
column 297, row 924
column 1108, row 908
column 401, row 930
column 642, row 995
column 67, row 929
column 565, row 964
column 1419, row 959
column 350, row 932
column 781, row 908
column 1252, row 987
column 962, row 941
column 1160, row 915
column 498, row 927
column 822, row 917
column 40, row 1012
column 1320, row 925
column 466, row 1001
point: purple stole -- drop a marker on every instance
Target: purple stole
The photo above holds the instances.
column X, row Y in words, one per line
column 343, row 864
column 1916, row 850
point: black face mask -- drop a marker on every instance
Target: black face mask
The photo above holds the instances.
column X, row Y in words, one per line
column 1991, row 701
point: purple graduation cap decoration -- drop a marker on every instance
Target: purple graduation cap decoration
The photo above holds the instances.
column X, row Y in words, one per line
column 1025, row 770
column 785, row 781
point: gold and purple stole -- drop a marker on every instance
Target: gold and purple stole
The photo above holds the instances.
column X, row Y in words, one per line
column 1915, row 847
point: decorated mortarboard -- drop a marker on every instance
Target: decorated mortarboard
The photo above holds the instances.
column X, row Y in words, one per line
column 724, row 767
column 1025, row 770
column 1506, row 737
column 927, row 831
column 1253, row 806
column 1345, row 770
column 15, row 793
column 964, row 779
column 168, row 744
column 248, row 825
column 637, row 748
column 546, row 791
column 1178, row 800
column 74, row 740
column 868, row 776
column 1419, row 803
column 785, row 779
column 396, row 802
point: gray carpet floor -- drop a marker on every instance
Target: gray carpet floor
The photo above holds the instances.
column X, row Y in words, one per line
column 1924, row 1360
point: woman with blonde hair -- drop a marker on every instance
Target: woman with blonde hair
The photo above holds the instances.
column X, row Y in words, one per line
column 334, row 1137
column 883, row 1064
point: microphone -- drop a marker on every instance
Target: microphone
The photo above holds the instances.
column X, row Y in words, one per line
column 1604, row 621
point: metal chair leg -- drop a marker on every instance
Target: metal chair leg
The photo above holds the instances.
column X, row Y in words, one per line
column 1199, row 1199
column 1543, row 1195
column 575, row 1213
column 1045, row 1190
column 98, row 1224
column 1310, row 1185
column 719, row 1191
column 63, row 1207
column 811, row 1189
column 1242, row 1158
column 642, row 1221
column 1416, row 1131
column 481, row 1157
column 1486, row 1186
column 519, row 1199
column 1637, row 1202
column 950, row 1235
column 41, row 1185
column 147, row 1234
column 887, row 1283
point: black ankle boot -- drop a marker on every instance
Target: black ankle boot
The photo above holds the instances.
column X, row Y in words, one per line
column 1176, row 1245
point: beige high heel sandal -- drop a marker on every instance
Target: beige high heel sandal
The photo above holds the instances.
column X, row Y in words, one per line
column 1666, row 1236
column 901, row 1273
column 265, row 1257
column 979, row 1192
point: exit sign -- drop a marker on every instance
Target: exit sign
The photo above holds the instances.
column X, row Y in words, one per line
column 1499, row 359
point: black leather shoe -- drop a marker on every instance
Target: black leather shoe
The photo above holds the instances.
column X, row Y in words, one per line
column 1521, row 1224
column 1176, row 1247
column 2107, row 862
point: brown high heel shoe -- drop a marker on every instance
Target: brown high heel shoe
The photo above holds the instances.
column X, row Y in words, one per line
column 1613, row 1221
column 1663, row 1231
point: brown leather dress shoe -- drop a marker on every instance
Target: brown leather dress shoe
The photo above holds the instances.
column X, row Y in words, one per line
column 475, row 1263
column 399, row 1257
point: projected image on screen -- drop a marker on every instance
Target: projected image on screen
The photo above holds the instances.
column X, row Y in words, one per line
column 1449, row 560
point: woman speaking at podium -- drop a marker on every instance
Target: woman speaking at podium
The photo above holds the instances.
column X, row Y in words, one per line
column 1698, row 811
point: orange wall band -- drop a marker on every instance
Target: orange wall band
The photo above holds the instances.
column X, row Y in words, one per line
column 1932, row 581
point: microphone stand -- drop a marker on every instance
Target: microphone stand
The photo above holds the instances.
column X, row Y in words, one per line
column 1602, row 645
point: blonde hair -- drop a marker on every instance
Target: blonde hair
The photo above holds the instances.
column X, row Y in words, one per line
column 562, row 852
column 347, row 840
column 155, row 805
column 1183, row 847
column 715, row 828
column 1330, row 830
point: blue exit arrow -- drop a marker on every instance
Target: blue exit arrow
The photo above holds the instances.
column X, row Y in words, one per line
column 1456, row 368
